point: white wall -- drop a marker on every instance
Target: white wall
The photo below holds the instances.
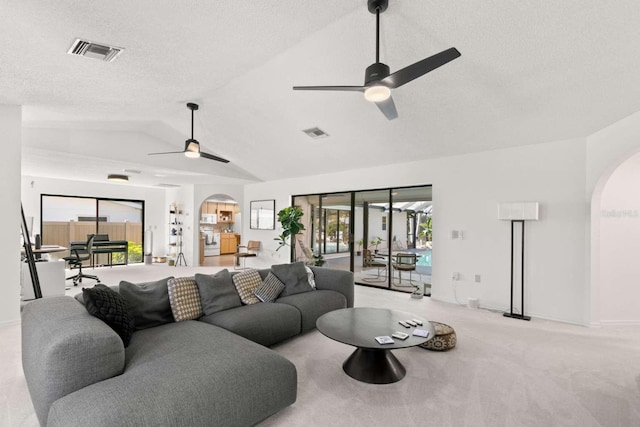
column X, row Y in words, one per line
column 620, row 245
column 33, row 187
column 467, row 190
column 10, row 141
column 606, row 150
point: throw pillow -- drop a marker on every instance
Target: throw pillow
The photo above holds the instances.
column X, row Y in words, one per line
column 294, row 276
column 184, row 298
column 246, row 283
column 270, row 288
column 110, row 307
column 310, row 277
column 217, row 292
column 149, row 302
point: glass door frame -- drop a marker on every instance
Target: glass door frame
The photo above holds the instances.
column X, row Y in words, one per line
column 352, row 193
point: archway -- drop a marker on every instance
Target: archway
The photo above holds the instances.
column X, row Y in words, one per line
column 220, row 225
column 615, row 244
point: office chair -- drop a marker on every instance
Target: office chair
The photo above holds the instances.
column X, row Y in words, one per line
column 80, row 253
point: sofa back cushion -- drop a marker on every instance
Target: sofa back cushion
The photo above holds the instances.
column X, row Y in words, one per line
column 149, row 302
column 217, row 292
column 294, row 276
column 184, row 298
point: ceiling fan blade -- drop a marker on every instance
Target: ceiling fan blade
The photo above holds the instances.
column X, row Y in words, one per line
column 336, row 88
column 420, row 68
column 167, row 152
column 388, row 108
column 212, row 157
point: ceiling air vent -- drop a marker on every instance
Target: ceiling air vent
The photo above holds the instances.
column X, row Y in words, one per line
column 315, row 133
column 167, row 185
column 94, row 50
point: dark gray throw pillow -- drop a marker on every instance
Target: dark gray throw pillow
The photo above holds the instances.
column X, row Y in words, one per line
column 110, row 307
column 149, row 302
column 217, row 292
column 294, row 276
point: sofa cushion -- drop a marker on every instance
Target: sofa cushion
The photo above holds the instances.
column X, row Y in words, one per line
column 110, row 307
column 246, row 283
column 265, row 324
column 294, row 276
column 185, row 374
column 149, row 302
column 314, row 304
column 217, row 292
column 270, row 288
column 184, row 298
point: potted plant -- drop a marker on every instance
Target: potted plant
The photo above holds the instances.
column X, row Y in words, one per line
column 359, row 251
column 289, row 219
column 376, row 242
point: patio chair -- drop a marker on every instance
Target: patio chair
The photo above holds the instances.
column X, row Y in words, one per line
column 405, row 262
column 371, row 260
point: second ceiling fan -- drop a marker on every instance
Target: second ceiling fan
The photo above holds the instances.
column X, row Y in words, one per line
column 378, row 81
column 192, row 146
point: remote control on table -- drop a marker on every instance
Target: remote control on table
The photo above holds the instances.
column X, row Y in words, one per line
column 403, row 323
column 419, row 322
column 400, row 335
column 411, row 322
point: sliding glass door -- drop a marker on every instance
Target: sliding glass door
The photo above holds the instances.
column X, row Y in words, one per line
column 372, row 233
column 67, row 219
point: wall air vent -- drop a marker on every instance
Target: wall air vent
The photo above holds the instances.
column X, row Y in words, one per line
column 167, row 185
column 94, row 50
column 315, row 133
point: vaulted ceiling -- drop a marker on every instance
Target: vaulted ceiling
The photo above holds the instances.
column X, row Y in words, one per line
column 530, row 72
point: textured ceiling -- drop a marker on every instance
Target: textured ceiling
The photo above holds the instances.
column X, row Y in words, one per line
column 530, row 72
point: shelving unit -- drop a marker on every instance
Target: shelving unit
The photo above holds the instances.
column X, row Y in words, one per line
column 175, row 236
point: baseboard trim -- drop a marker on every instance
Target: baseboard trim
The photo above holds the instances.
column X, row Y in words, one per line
column 619, row 323
column 10, row 323
column 503, row 310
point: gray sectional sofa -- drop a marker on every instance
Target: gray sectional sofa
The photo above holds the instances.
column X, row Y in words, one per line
column 213, row 371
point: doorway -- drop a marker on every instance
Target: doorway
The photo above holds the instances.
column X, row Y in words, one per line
column 219, row 230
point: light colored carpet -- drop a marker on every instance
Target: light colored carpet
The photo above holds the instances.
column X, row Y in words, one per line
column 503, row 372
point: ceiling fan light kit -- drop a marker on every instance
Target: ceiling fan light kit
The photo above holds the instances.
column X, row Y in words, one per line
column 192, row 146
column 379, row 81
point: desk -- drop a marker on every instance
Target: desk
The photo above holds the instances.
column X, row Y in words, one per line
column 106, row 247
column 44, row 249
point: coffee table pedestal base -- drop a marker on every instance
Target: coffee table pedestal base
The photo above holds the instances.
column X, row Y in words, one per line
column 374, row 366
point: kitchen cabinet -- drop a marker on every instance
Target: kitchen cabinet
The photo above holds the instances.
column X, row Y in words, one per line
column 228, row 243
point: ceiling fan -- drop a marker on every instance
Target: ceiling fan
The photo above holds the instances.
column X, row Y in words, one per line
column 191, row 146
column 378, row 81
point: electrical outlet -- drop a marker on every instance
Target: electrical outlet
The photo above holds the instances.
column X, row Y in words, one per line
column 478, row 278
column 455, row 276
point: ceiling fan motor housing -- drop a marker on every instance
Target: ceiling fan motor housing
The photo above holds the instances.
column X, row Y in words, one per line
column 375, row 72
column 377, row 5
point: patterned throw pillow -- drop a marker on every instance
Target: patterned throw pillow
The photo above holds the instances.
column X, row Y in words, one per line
column 269, row 290
column 310, row 277
column 110, row 307
column 184, row 298
column 246, row 283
